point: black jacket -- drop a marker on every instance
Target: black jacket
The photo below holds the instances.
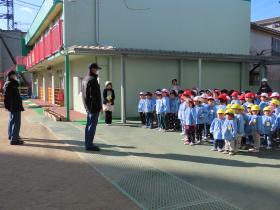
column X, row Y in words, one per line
column 91, row 94
column 12, row 99
column 105, row 95
column 265, row 89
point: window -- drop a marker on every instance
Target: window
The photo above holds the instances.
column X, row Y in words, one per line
column 254, row 79
column 275, row 47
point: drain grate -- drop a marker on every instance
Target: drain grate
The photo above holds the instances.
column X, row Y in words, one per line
column 149, row 187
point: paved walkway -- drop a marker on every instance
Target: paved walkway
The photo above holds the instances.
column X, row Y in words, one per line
column 46, row 174
column 156, row 171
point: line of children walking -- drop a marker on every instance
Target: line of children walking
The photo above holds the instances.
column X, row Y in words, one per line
column 231, row 121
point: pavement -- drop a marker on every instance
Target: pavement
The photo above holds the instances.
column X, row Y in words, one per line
column 45, row 173
column 137, row 168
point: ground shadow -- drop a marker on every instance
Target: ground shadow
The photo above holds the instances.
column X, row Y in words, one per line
column 108, row 150
column 72, row 143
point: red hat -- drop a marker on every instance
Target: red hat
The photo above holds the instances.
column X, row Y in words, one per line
column 187, row 92
column 250, row 95
column 242, row 97
column 223, row 96
column 235, row 94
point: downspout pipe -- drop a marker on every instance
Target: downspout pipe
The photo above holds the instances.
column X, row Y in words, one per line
column 67, row 91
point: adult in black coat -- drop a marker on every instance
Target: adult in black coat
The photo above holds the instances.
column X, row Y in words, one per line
column 93, row 104
column 108, row 102
column 265, row 88
column 13, row 103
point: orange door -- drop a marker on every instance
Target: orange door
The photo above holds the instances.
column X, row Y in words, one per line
column 41, row 92
column 50, row 95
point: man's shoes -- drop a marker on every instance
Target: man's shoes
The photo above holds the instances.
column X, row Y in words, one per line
column 17, row 142
column 93, row 148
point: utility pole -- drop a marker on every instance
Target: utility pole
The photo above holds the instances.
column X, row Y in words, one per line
column 9, row 15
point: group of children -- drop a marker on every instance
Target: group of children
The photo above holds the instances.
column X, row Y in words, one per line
column 229, row 119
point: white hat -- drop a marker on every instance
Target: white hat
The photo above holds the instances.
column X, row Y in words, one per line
column 204, row 95
column 158, row 92
column 165, row 90
column 197, row 98
column 107, row 83
column 264, row 80
column 264, row 95
column 142, row 93
column 275, row 94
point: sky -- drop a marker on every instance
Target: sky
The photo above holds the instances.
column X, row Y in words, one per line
column 24, row 13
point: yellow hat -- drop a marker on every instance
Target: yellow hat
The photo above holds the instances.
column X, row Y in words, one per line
column 235, row 106
column 221, row 111
column 275, row 102
column 242, row 107
column 250, row 105
column 229, row 106
column 255, row 108
column 230, row 111
column 267, row 109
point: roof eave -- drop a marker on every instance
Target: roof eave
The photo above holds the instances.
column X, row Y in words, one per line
column 78, row 50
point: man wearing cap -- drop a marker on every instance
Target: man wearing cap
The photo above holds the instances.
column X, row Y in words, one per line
column 13, row 103
column 264, row 88
column 91, row 95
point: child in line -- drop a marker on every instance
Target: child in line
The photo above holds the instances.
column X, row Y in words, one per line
column 201, row 115
column 174, row 107
column 141, row 106
column 189, row 119
column 268, row 126
column 148, row 109
column 229, row 132
column 234, row 97
column 165, row 108
column 255, row 124
column 248, row 131
column 181, row 113
column 264, row 101
column 160, row 112
column 240, row 126
column 217, row 131
column 212, row 114
column 249, row 98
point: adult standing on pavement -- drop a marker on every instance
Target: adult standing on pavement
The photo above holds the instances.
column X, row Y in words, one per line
column 13, row 103
column 93, row 104
column 108, row 102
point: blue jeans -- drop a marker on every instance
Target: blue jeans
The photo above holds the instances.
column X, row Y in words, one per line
column 92, row 120
column 14, row 126
column 161, row 120
column 149, row 119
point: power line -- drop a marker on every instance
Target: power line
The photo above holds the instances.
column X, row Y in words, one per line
column 35, row 5
column 23, row 5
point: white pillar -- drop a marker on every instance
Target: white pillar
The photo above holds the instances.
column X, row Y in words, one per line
column 199, row 73
column 37, row 86
column 123, row 90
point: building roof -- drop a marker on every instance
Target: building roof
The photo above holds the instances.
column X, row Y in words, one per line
column 109, row 50
column 256, row 26
column 268, row 21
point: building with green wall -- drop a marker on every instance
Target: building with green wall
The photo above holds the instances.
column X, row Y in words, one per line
column 141, row 45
